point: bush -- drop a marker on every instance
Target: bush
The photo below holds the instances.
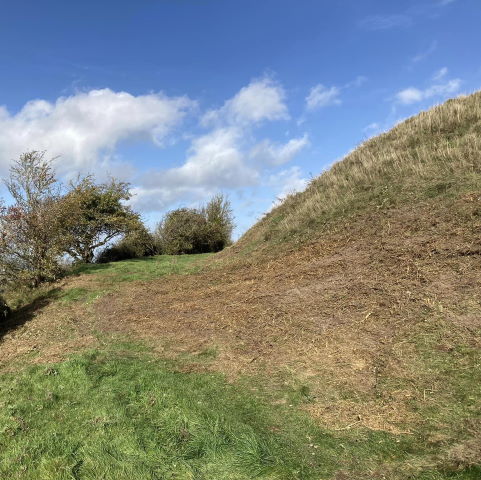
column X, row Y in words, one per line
column 188, row 230
column 218, row 215
column 183, row 231
column 136, row 245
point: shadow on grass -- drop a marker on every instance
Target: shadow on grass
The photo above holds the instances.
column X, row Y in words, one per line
column 24, row 314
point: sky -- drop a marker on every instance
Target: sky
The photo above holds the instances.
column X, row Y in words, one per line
column 184, row 99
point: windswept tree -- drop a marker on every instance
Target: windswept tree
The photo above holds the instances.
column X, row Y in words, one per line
column 30, row 240
column 95, row 215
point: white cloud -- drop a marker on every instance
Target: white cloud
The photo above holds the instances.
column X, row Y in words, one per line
column 224, row 158
column 357, row 82
column 87, row 128
column 409, row 95
column 440, row 74
column 321, row 96
column 413, row 95
column 372, row 129
column 385, row 22
column 272, row 154
column 260, row 100
column 287, row 182
column 216, row 161
column 426, row 53
column 84, row 127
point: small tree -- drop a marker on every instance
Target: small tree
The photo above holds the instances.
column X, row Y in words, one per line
column 218, row 214
column 30, row 238
column 137, row 244
column 94, row 215
column 188, row 230
column 183, row 231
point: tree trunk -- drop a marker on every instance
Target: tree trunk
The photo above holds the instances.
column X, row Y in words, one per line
column 88, row 256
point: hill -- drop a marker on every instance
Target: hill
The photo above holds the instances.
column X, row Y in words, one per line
column 434, row 155
column 353, row 310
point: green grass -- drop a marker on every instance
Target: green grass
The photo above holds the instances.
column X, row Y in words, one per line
column 107, row 277
column 122, row 414
column 146, row 268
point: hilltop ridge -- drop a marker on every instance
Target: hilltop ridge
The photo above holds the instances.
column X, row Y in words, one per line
column 434, row 154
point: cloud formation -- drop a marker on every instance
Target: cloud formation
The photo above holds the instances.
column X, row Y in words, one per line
column 440, row 74
column 86, row 129
column 425, row 53
column 274, row 154
column 321, row 96
column 259, row 101
column 86, row 125
column 412, row 95
column 287, row 182
column 227, row 156
column 385, row 22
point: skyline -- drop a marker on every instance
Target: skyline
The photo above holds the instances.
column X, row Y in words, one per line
column 186, row 99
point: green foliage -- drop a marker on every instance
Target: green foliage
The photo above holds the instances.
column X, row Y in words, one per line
column 43, row 225
column 138, row 244
column 218, row 215
column 31, row 240
column 183, row 231
column 188, row 230
column 95, row 215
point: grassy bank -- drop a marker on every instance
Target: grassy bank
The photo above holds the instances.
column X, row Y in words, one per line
column 122, row 414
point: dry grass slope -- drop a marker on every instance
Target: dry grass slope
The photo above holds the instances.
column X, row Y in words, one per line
column 432, row 154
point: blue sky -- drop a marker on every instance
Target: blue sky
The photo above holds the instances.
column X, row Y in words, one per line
column 187, row 98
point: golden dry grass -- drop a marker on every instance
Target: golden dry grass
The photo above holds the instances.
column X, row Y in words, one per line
column 434, row 153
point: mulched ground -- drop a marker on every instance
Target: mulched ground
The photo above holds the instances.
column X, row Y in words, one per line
column 337, row 313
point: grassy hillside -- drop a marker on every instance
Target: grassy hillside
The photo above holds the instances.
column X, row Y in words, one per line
column 339, row 339
column 432, row 155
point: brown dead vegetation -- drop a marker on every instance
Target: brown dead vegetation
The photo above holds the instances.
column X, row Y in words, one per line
column 338, row 313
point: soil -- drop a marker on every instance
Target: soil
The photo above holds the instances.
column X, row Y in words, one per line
column 338, row 313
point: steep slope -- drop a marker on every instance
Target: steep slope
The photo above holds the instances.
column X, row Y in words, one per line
column 434, row 155
column 363, row 293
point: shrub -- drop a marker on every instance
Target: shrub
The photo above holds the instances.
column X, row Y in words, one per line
column 218, row 215
column 189, row 230
column 138, row 244
column 183, row 231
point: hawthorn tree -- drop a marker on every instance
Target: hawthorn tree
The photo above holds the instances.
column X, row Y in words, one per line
column 182, row 231
column 95, row 215
column 31, row 242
